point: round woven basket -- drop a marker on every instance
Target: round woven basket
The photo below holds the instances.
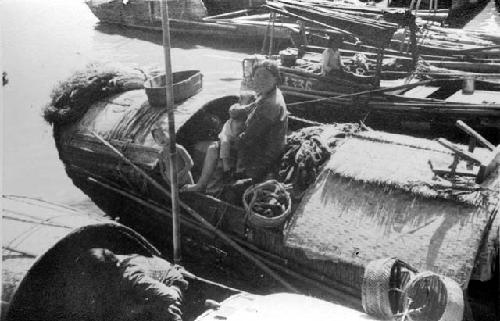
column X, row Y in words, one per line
column 257, row 220
column 382, row 286
column 434, row 297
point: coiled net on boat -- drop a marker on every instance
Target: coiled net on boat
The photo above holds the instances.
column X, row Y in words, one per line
column 383, row 283
column 306, row 151
column 71, row 97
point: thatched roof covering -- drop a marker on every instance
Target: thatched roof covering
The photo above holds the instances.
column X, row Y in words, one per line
column 377, row 198
column 402, row 162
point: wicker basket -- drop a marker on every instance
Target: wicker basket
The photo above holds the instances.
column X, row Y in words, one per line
column 382, row 286
column 257, row 220
column 186, row 84
column 434, row 297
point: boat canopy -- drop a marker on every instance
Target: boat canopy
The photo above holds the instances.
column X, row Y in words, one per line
column 46, row 280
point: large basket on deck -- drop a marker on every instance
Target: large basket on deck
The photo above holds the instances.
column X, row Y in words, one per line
column 382, row 286
column 257, row 220
column 432, row 297
column 186, row 83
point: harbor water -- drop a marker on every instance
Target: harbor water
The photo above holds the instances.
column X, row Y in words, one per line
column 42, row 42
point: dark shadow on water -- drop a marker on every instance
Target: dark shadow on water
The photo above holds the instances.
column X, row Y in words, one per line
column 182, row 41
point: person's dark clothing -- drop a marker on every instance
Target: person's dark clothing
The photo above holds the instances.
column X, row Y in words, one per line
column 264, row 139
column 133, row 287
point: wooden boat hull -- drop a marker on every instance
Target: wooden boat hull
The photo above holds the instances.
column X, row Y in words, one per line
column 120, row 192
column 430, row 107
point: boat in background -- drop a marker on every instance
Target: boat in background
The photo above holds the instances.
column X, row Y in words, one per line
column 190, row 18
column 399, row 30
column 277, row 20
column 422, row 101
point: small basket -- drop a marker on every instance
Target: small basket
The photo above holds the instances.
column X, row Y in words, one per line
column 257, row 220
column 433, row 297
column 382, row 286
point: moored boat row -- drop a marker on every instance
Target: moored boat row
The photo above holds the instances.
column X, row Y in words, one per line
column 411, row 205
column 343, row 193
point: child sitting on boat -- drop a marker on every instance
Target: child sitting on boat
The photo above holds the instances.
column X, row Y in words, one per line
column 233, row 127
column 184, row 161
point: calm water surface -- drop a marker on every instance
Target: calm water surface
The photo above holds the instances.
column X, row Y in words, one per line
column 45, row 41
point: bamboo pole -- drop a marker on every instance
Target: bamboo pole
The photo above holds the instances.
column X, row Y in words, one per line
column 199, row 218
column 169, row 92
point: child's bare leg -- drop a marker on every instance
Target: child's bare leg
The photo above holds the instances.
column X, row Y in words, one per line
column 208, row 169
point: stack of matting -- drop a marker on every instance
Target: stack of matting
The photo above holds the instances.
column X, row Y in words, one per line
column 377, row 197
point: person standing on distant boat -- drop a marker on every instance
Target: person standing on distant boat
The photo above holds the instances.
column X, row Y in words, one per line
column 262, row 142
column 331, row 60
column 184, row 160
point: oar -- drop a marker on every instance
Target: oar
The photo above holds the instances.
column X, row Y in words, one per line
column 198, row 217
column 478, row 49
column 379, row 90
column 463, row 126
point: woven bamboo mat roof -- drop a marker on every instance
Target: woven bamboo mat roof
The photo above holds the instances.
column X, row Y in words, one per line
column 402, row 162
column 377, row 198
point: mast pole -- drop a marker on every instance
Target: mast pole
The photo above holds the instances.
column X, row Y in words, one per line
column 171, row 130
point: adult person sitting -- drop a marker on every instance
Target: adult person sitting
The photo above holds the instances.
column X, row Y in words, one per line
column 331, row 59
column 262, row 142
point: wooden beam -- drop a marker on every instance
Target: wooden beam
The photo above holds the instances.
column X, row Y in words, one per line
column 459, row 152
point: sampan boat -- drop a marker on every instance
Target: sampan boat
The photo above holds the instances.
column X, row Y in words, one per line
column 374, row 197
column 430, row 106
column 186, row 17
column 42, row 280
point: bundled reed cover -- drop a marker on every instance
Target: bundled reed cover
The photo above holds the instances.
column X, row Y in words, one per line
column 402, row 162
column 71, row 97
